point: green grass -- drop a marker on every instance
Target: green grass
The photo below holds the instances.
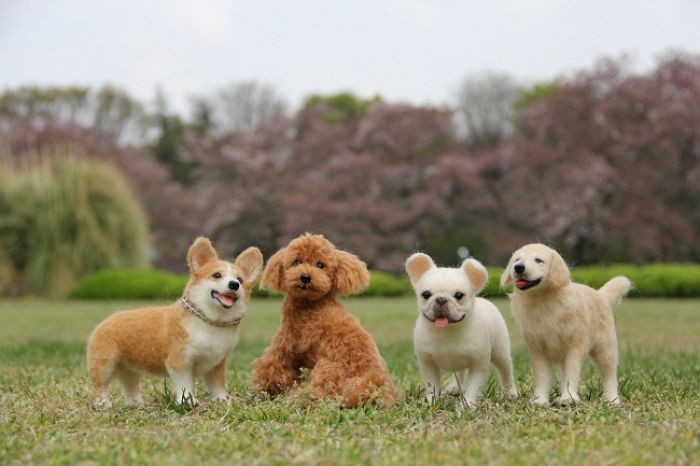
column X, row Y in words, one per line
column 46, row 416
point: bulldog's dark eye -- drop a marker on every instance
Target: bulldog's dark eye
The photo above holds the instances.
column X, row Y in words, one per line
column 459, row 295
column 297, row 262
column 217, row 275
column 538, row 260
column 320, row 265
column 426, row 294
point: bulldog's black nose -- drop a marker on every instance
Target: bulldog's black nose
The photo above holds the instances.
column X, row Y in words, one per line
column 233, row 284
column 519, row 268
column 305, row 278
column 441, row 301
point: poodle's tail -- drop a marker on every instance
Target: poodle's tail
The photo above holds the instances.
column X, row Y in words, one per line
column 615, row 289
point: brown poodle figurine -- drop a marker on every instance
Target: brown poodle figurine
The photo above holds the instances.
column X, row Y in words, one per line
column 317, row 333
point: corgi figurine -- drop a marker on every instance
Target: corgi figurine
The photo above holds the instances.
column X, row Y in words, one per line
column 190, row 337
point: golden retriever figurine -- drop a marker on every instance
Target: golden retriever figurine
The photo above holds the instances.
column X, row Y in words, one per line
column 562, row 322
column 317, row 333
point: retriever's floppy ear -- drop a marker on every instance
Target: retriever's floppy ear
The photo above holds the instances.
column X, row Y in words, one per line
column 558, row 274
column 201, row 252
column 417, row 265
column 477, row 274
column 250, row 263
column 506, row 277
column 351, row 274
column 273, row 275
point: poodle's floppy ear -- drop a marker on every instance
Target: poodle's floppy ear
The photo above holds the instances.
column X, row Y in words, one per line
column 272, row 278
column 351, row 274
column 417, row 265
column 558, row 275
column 506, row 277
column 477, row 274
column 201, row 252
column 250, row 263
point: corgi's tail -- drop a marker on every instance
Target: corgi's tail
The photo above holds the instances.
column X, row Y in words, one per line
column 615, row 289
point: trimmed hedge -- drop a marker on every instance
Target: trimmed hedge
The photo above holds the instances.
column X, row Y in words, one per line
column 657, row 280
column 159, row 284
column 130, row 284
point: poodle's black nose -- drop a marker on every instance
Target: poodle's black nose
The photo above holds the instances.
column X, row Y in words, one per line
column 519, row 268
column 233, row 284
column 305, row 278
column 441, row 301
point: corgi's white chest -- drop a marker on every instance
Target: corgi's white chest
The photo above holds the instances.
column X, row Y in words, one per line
column 208, row 345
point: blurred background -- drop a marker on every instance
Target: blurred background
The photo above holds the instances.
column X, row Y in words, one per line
column 452, row 127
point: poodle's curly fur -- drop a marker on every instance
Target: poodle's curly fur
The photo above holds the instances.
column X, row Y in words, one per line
column 317, row 333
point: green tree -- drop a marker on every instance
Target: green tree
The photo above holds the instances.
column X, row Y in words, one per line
column 343, row 107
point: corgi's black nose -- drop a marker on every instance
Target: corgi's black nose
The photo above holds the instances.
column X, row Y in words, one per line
column 441, row 301
column 519, row 268
column 233, row 284
column 305, row 278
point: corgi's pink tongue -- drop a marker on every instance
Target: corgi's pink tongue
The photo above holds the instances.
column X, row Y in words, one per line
column 441, row 322
column 226, row 300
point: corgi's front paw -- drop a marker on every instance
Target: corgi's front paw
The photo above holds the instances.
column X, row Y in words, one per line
column 134, row 401
column 186, row 398
column 219, row 397
column 102, row 402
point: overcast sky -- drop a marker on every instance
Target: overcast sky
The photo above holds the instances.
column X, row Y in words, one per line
column 405, row 50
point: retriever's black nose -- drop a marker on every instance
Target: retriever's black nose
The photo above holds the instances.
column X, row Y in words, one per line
column 441, row 301
column 519, row 268
column 233, row 284
column 306, row 278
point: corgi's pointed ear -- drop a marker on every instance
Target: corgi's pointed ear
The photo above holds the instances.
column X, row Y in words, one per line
column 477, row 274
column 273, row 275
column 351, row 274
column 417, row 265
column 506, row 277
column 250, row 263
column 201, row 252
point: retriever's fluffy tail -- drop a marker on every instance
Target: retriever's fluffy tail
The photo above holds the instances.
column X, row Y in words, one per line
column 615, row 289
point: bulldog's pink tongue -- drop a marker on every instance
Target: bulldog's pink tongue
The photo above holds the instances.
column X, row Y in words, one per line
column 441, row 322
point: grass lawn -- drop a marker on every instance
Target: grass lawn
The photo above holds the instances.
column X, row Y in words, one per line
column 46, row 418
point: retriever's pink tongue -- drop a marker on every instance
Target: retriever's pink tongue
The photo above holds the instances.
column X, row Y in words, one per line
column 441, row 322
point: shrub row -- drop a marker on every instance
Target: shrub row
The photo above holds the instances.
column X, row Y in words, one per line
column 658, row 280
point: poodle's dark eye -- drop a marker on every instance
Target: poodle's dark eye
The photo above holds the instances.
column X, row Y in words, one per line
column 217, row 275
column 459, row 295
column 320, row 265
column 538, row 260
column 297, row 262
column 426, row 294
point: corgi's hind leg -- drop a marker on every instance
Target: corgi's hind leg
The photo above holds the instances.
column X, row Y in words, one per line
column 129, row 381
column 101, row 368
